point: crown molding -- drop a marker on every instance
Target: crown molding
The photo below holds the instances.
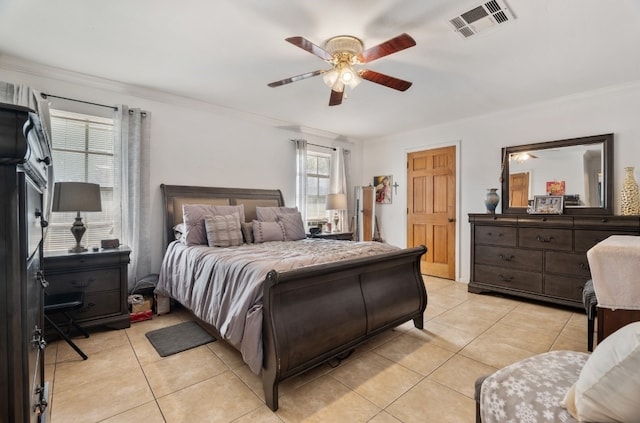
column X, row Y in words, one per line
column 15, row 64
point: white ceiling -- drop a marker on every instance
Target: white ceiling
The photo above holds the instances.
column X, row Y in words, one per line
column 225, row 52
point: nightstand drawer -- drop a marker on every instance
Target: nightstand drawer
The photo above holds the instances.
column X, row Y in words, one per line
column 96, row 306
column 89, row 281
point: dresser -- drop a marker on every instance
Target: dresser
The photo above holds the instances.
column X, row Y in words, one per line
column 102, row 275
column 540, row 257
column 24, row 178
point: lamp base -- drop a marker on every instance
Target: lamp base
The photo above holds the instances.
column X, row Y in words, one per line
column 78, row 230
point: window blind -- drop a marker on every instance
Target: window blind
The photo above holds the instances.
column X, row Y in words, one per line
column 83, row 151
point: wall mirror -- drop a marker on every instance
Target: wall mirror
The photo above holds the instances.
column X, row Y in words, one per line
column 580, row 169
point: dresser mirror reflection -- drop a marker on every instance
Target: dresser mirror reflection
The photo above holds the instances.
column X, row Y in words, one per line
column 580, row 169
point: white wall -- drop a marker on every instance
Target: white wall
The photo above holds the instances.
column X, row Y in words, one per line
column 479, row 143
column 191, row 143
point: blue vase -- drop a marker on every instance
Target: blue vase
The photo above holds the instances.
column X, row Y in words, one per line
column 491, row 200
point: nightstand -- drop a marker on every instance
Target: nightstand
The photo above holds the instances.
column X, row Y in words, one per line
column 342, row 236
column 101, row 275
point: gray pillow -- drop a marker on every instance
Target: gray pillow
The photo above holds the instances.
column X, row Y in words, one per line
column 267, row 231
column 223, row 231
column 270, row 214
column 247, row 232
column 193, row 216
column 293, row 226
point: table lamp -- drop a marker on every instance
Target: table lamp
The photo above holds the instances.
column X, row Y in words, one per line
column 76, row 197
column 336, row 202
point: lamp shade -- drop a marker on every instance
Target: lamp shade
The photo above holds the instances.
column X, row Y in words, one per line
column 336, row 202
column 76, row 197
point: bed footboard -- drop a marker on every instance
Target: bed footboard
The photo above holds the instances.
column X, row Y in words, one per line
column 314, row 314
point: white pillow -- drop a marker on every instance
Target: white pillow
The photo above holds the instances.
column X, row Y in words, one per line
column 223, row 231
column 608, row 388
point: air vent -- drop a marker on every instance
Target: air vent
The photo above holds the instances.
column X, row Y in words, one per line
column 481, row 18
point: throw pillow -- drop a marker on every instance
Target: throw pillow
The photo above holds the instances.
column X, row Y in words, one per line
column 267, row 231
column 270, row 214
column 608, row 387
column 223, row 231
column 193, row 216
column 178, row 231
column 293, row 226
column 247, row 232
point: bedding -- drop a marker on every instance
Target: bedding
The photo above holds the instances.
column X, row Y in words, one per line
column 224, row 286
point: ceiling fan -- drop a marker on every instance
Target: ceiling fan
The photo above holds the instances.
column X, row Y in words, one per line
column 343, row 53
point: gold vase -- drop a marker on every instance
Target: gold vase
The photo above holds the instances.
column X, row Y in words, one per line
column 630, row 195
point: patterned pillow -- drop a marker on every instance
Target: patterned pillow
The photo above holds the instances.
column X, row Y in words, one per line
column 267, row 231
column 193, row 215
column 293, row 226
column 247, row 232
column 270, row 214
column 178, row 231
column 223, row 231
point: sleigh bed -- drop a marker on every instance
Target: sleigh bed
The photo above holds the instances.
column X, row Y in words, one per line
column 306, row 315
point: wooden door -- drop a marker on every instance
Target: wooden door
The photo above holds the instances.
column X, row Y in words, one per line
column 431, row 209
column 519, row 189
column 368, row 203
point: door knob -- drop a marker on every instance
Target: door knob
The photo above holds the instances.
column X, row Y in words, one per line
column 451, row 219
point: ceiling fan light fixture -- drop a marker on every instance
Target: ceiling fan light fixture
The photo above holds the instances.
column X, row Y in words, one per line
column 330, row 77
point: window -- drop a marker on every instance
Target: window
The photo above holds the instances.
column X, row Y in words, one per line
column 318, row 171
column 83, row 151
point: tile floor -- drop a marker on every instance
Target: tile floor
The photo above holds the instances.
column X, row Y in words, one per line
column 403, row 375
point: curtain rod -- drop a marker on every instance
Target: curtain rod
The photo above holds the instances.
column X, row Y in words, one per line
column 45, row 95
column 318, row 145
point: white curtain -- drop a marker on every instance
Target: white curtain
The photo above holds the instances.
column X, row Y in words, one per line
column 301, row 177
column 132, row 188
column 23, row 95
column 338, row 182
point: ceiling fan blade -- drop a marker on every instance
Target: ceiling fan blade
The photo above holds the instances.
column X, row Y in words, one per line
column 307, row 45
column 393, row 45
column 386, row 80
column 296, row 78
column 336, row 98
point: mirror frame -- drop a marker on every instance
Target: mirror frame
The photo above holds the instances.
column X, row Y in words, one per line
column 607, row 150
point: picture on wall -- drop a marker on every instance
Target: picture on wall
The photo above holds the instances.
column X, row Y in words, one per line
column 383, row 188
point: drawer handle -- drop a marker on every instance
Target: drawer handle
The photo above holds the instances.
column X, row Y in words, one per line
column 505, row 278
column 543, row 239
column 584, row 266
column 506, row 258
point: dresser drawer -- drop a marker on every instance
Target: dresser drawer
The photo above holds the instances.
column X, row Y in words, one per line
column 586, row 239
column 496, row 235
column 631, row 223
column 567, row 263
column 509, row 257
column 564, row 287
column 88, row 281
column 509, row 278
column 547, row 239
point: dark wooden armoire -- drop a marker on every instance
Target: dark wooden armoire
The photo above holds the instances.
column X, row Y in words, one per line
column 25, row 171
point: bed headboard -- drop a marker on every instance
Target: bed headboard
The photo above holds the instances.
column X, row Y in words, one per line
column 174, row 196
